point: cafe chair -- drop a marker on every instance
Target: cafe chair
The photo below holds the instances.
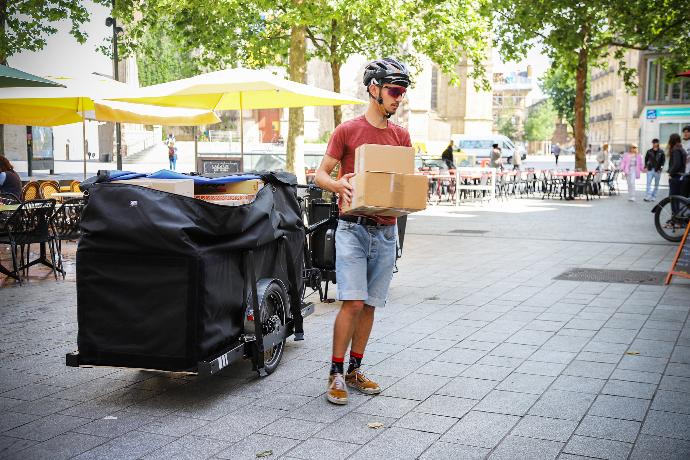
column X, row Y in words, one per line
column 48, row 188
column 30, row 191
column 30, row 224
column 74, row 186
column 64, row 224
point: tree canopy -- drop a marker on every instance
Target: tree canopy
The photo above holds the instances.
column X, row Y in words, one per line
column 578, row 35
column 559, row 84
column 541, row 122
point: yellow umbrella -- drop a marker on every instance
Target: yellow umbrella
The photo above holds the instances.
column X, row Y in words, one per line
column 238, row 89
column 81, row 99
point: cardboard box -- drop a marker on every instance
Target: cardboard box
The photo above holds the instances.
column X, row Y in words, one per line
column 246, row 187
column 183, row 187
column 387, row 194
column 384, row 158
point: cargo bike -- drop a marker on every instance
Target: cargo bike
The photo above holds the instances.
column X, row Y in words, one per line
column 172, row 283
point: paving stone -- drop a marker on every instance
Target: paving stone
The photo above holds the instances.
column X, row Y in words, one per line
column 565, row 343
column 566, row 405
column 10, row 420
column 249, row 447
column 501, row 361
column 671, row 401
column 643, row 363
column 672, row 383
column 464, row 387
column 446, row 405
column 545, row 428
column 450, row 451
column 64, row 446
column 629, row 389
column 609, row 428
column 656, row 348
column 578, row 384
column 681, row 355
column 620, row 407
column 317, row 449
column 658, row 334
column 442, row 369
column 292, row 428
column 239, row 424
column 46, row 427
column 606, row 347
column 480, row 371
column 191, row 448
column 118, row 424
column 526, row 383
column 678, row 370
column 506, row 402
column 397, row 443
column 9, row 447
column 386, row 407
column 514, row 447
column 461, row 356
column 173, row 425
column 553, row 356
column 598, row 448
column 541, row 368
column 654, row 447
column 131, row 445
column 624, row 336
column 589, row 369
column 636, row 376
column 32, row 391
column 514, row 350
column 480, row 429
column 610, row 358
column 426, row 422
column 353, row 428
column 418, row 387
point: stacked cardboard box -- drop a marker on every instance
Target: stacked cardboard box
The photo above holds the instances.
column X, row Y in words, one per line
column 230, row 194
column 385, row 183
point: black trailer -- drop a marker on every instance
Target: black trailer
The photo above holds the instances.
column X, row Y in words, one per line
column 172, row 283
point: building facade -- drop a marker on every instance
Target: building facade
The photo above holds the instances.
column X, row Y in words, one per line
column 613, row 110
column 664, row 108
column 512, row 95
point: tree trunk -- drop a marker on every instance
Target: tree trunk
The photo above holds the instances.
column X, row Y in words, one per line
column 3, row 61
column 580, row 121
column 297, row 72
column 337, row 110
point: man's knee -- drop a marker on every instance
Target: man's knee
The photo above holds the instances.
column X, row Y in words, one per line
column 353, row 307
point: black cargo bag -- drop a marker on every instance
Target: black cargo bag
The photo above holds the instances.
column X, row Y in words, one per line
column 160, row 277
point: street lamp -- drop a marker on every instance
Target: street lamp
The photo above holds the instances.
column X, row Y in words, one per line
column 117, row 30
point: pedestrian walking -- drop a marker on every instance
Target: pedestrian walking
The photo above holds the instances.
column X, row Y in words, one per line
column 632, row 166
column 603, row 158
column 654, row 161
column 556, row 151
column 172, row 151
column 517, row 160
column 447, row 156
column 496, row 161
column 365, row 245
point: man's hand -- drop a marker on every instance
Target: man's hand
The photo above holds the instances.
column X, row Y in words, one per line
column 344, row 188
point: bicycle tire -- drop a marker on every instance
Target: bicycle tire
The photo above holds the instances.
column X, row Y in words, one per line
column 663, row 216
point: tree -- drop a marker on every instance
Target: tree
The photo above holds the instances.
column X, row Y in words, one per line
column 559, row 84
column 578, row 35
column 26, row 24
column 506, row 126
column 541, row 122
column 160, row 58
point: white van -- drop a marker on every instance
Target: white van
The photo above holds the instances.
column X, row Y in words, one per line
column 480, row 146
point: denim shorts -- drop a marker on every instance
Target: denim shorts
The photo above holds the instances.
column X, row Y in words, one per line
column 365, row 256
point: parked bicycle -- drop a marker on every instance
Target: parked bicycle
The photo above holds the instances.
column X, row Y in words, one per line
column 671, row 216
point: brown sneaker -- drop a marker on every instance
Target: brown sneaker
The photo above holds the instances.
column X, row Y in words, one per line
column 337, row 390
column 356, row 379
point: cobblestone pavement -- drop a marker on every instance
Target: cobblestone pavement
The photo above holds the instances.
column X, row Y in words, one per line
column 481, row 352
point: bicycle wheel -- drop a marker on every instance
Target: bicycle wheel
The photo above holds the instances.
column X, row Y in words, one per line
column 671, row 224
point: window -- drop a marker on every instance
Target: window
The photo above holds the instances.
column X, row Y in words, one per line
column 675, row 91
column 434, row 88
column 686, row 91
column 651, row 80
column 663, row 86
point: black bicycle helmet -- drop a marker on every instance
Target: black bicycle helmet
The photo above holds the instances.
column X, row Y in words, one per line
column 386, row 70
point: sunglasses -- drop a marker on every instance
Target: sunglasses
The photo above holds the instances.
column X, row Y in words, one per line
column 395, row 91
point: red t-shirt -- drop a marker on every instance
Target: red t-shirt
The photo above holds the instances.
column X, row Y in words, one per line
column 353, row 133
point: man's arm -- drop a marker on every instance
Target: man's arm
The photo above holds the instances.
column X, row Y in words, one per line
column 323, row 179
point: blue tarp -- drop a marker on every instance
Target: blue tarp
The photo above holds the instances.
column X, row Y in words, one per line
column 167, row 174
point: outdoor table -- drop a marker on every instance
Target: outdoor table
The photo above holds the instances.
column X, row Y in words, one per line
column 436, row 184
column 568, row 189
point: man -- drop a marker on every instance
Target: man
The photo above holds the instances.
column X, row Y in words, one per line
column 556, row 150
column 496, row 157
column 365, row 245
column 447, row 156
column 654, row 163
column 517, row 160
column 172, row 151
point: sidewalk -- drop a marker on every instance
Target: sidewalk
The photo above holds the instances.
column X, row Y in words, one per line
column 481, row 351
